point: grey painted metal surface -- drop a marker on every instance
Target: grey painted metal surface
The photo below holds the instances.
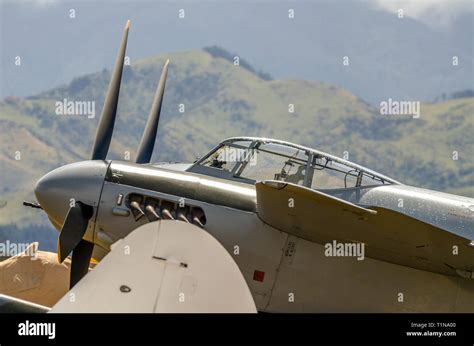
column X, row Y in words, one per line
column 287, row 264
column 446, row 211
column 13, row 305
column 163, row 266
column 184, row 184
column 60, row 188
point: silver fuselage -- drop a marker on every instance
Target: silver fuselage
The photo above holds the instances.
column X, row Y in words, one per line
column 297, row 276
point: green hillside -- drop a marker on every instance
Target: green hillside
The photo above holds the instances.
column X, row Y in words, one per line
column 222, row 100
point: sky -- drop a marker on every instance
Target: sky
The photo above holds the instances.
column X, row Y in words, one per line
column 440, row 14
column 409, row 58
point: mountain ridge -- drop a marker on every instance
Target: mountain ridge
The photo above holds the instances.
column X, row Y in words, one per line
column 220, row 101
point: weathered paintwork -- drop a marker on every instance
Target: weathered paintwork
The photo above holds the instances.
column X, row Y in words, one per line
column 297, row 276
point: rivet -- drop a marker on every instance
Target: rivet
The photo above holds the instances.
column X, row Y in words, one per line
column 125, row 289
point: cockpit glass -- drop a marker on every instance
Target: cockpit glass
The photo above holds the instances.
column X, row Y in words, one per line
column 254, row 160
column 329, row 174
column 227, row 157
column 275, row 162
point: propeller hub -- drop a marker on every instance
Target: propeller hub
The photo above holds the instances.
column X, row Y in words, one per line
column 58, row 190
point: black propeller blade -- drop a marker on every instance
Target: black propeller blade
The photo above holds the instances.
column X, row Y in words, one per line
column 107, row 118
column 81, row 258
column 70, row 239
column 73, row 229
column 145, row 149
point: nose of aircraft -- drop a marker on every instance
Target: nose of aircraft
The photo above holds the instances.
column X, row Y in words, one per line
column 62, row 187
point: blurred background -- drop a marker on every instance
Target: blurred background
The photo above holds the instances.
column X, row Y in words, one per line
column 288, row 52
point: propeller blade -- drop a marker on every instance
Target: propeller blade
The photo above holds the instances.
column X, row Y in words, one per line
column 145, row 149
column 81, row 258
column 107, row 118
column 73, row 229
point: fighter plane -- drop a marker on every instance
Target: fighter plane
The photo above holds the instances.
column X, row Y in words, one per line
column 308, row 231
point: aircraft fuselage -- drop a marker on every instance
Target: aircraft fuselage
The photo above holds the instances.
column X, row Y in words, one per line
column 285, row 273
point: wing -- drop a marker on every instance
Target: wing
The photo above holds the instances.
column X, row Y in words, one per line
column 19, row 306
column 162, row 266
column 388, row 235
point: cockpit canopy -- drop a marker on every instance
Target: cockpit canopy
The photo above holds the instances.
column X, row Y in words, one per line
column 248, row 159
